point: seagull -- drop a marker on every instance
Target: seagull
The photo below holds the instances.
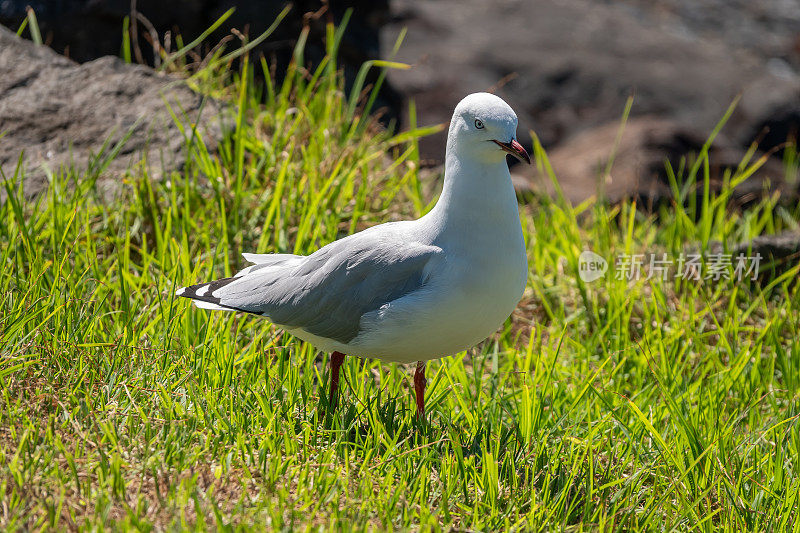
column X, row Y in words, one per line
column 407, row 291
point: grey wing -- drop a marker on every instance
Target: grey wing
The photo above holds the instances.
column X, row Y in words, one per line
column 327, row 292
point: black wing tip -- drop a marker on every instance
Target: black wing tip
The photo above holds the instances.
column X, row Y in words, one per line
column 203, row 291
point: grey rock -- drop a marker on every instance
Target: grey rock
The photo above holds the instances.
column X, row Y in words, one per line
column 88, row 29
column 770, row 29
column 783, row 246
column 60, row 113
column 569, row 65
column 779, row 253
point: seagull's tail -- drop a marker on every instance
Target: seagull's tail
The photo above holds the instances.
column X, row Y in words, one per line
column 202, row 295
column 205, row 295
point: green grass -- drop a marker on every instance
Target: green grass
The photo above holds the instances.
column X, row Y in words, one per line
column 627, row 405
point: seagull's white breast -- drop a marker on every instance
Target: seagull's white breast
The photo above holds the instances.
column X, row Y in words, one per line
column 468, row 297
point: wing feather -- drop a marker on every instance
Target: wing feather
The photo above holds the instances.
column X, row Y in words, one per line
column 327, row 292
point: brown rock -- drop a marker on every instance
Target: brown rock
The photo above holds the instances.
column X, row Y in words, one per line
column 638, row 168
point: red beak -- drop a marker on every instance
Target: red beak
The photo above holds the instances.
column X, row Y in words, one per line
column 515, row 149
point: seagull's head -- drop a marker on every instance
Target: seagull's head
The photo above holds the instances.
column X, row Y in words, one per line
column 486, row 127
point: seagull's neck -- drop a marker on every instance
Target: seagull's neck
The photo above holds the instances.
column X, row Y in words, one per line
column 476, row 194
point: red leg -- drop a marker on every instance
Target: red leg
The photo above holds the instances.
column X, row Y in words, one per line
column 333, row 395
column 419, row 388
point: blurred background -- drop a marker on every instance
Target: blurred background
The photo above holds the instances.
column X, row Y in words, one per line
column 567, row 67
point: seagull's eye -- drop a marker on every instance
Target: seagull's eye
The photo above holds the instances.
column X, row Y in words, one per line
column 478, row 124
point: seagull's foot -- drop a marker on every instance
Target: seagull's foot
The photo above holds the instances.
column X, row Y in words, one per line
column 419, row 389
column 337, row 358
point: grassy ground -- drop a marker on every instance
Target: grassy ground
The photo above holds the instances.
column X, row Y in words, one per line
column 647, row 404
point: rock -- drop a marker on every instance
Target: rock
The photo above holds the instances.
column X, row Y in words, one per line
column 638, row 169
column 569, row 65
column 88, row 29
column 576, row 61
column 782, row 247
column 777, row 126
column 60, row 113
column 768, row 28
column 779, row 253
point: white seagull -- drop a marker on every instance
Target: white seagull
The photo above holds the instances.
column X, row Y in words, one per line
column 405, row 291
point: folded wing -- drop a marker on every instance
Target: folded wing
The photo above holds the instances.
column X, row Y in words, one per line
column 327, row 292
